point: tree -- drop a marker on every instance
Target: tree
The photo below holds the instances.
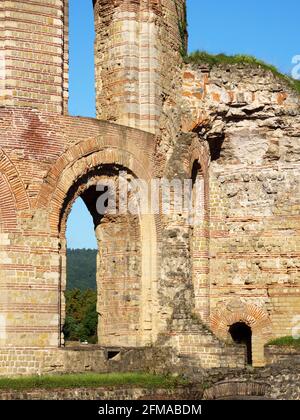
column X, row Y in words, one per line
column 81, row 315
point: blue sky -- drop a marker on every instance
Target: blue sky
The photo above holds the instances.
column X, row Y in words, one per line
column 267, row 29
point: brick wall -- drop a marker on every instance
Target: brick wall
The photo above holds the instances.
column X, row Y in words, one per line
column 137, row 50
column 36, row 360
column 66, row 151
column 34, row 54
column 158, row 278
column 250, row 122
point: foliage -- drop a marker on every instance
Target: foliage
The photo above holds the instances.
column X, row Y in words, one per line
column 81, row 296
column 285, row 341
column 198, row 57
column 182, row 28
column 92, row 380
column 297, row 84
column 81, row 269
column 81, row 315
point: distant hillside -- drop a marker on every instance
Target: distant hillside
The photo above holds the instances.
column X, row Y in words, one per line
column 81, row 269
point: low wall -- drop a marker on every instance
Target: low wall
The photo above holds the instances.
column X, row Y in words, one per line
column 276, row 382
column 36, row 361
column 279, row 380
column 282, row 354
column 122, row 393
column 272, row 383
column 160, row 359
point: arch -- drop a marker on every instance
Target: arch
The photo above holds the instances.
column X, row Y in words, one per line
column 82, row 166
column 78, row 162
column 95, row 151
column 16, row 186
column 13, row 198
column 237, row 311
column 12, row 193
column 8, row 213
column 237, row 390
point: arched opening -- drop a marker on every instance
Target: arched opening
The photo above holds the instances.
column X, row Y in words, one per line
column 241, row 333
column 81, row 288
column 118, row 257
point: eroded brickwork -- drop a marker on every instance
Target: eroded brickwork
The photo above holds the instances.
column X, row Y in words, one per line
column 34, row 54
column 137, row 51
column 161, row 281
column 33, row 225
column 250, row 121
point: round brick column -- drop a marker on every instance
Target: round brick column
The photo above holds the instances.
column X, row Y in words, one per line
column 139, row 45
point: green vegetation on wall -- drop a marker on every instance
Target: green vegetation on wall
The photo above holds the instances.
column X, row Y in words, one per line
column 182, row 28
column 285, row 341
column 202, row 57
column 92, row 380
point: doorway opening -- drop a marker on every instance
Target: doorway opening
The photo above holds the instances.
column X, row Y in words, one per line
column 241, row 333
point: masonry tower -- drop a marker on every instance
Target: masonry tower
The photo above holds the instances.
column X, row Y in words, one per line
column 138, row 47
column 34, row 54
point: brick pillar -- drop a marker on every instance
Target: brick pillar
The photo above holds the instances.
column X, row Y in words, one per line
column 200, row 249
column 34, row 54
column 258, row 351
column 139, row 46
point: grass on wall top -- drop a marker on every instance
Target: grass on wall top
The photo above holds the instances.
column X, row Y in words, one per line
column 92, row 380
column 285, row 341
column 203, row 57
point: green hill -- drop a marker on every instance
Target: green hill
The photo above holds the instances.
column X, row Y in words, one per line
column 81, row 269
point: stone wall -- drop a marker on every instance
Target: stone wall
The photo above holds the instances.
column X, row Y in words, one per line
column 45, row 159
column 246, row 265
column 272, row 383
column 37, row 361
column 284, row 355
column 161, row 281
column 34, row 61
column 104, row 394
column 277, row 382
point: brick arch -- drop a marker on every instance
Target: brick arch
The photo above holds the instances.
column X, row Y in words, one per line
column 8, row 213
column 95, row 152
column 237, row 311
column 12, row 193
column 79, row 161
column 252, row 315
column 236, row 389
column 81, row 167
column 16, row 186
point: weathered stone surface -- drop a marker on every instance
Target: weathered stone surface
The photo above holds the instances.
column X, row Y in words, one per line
column 161, row 281
column 250, row 121
column 104, row 394
column 138, row 46
column 34, row 54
